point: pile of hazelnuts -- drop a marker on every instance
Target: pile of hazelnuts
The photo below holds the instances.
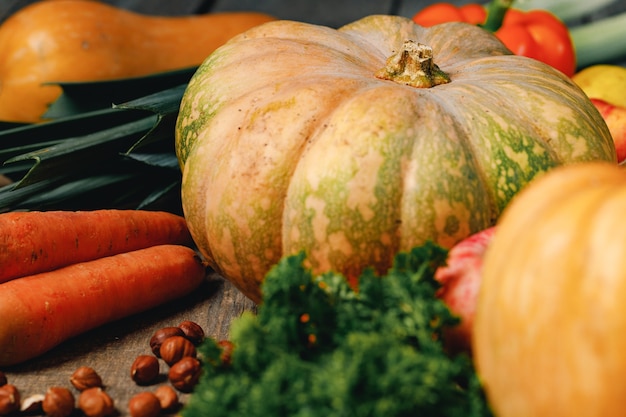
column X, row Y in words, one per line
column 175, row 345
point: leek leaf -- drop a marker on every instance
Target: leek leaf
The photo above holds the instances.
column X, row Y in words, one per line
column 82, row 97
column 89, row 156
column 77, row 152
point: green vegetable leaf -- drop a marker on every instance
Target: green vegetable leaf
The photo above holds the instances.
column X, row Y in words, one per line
column 111, row 143
column 85, row 97
column 316, row 348
column 82, row 151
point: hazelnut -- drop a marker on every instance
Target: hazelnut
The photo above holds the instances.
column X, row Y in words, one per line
column 175, row 348
column 32, row 404
column 193, row 331
column 85, row 377
column 94, row 402
column 144, row 404
column 58, row 402
column 145, row 369
column 9, row 399
column 227, row 351
column 3, row 379
column 185, row 373
column 160, row 335
column 168, row 398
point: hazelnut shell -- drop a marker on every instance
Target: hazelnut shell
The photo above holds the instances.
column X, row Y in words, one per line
column 175, row 348
column 160, row 335
column 144, row 404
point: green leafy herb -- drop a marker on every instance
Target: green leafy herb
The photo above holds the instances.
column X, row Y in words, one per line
column 318, row 348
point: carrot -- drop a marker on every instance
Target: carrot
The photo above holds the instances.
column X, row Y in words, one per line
column 40, row 241
column 40, row 311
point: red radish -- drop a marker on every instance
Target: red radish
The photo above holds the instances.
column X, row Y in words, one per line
column 40, row 241
column 460, row 280
column 40, row 311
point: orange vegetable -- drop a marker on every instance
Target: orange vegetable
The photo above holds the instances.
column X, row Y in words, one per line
column 438, row 13
column 351, row 152
column 41, row 311
column 549, row 333
column 78, row 40
column 33, row 242
column 536, row 34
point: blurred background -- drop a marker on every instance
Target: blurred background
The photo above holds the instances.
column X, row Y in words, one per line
column 332, row 13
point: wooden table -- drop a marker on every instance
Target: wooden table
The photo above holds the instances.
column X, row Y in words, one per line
column 111, row 349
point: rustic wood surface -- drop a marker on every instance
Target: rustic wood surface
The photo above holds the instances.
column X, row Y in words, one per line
column 326, row 12
column 111, row 349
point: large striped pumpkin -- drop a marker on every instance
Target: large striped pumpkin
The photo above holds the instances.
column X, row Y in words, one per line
column 351, row 145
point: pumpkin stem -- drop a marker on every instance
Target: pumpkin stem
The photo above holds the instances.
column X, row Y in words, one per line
column 413, row 65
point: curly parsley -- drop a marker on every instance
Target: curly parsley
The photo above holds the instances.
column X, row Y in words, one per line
column 318, row 348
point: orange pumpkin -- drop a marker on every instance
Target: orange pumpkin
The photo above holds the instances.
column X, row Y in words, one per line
column 350, row 145
column 79, row 40
column 550, row 324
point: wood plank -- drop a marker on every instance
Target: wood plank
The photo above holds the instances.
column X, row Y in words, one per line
column 326, row 12
column 111, row 349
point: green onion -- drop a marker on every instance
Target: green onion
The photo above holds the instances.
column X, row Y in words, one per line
column 94, row 155
column 601, row 41
column 598, row 42
column 566, row 10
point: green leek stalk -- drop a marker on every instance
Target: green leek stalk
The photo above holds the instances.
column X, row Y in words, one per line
column 601, row 41
column 598, row 42
column 566, row 10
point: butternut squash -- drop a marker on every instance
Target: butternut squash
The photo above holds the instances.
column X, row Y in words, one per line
column 82, row 40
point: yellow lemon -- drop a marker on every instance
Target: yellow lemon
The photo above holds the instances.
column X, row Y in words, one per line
column 603, row 81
